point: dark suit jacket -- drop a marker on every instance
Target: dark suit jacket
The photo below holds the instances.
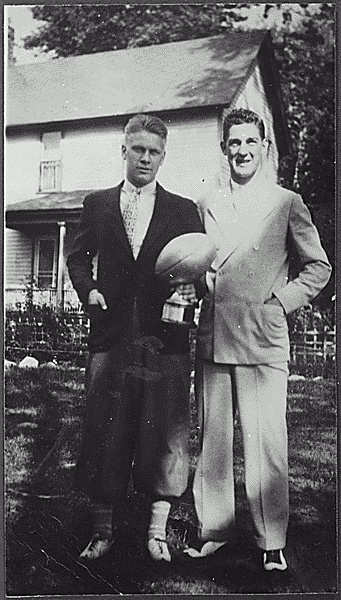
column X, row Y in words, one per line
column 121, row 278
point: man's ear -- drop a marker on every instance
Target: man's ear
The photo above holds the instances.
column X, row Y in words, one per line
column 223, row 146
column 163, row 157
column 124, row 151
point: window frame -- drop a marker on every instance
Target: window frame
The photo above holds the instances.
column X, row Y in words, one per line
column 42, row 189
column 37, row 242
column 51, row 157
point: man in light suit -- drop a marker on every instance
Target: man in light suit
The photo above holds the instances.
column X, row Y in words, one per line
column 138, row 372
column 242, row 340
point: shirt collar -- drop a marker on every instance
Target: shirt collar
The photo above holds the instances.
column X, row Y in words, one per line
column 150, row 188
column 235, row 187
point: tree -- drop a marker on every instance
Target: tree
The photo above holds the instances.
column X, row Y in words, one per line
column 82, row 29
column 303, row 36
column 10, row 44
column 306, row 59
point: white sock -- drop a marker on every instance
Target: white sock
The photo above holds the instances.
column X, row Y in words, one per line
column 158, row 519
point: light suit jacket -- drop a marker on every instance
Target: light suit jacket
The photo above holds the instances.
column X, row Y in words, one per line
column 273, row 229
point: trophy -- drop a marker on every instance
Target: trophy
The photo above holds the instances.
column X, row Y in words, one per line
column 183, row 260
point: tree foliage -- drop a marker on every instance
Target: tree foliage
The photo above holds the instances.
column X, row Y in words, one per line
column 83, row 29
column 303, row 36
column 306, row 60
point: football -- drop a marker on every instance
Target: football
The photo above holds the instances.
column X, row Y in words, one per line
column 186, row 257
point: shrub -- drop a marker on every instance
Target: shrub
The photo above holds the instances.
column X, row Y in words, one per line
column 43, row 330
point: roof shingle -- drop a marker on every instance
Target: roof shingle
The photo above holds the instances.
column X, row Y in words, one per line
column 193, row 73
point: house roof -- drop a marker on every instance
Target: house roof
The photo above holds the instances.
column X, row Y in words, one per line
column 176, row 75
column 53, row 201
column 47, row 208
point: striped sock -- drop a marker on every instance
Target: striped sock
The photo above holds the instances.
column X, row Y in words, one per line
column 102, row 514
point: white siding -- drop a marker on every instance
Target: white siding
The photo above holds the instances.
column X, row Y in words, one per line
column 91, row 158
column 192, row 156
column 18, row 258
column 22, row 159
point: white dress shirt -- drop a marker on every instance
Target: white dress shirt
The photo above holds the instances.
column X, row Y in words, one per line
column 144, row 210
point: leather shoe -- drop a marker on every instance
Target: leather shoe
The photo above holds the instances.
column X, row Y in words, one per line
column 206, row 549
column 274, row 560
column 158, row 549
column 96, row 547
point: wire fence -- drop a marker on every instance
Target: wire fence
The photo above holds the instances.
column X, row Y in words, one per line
column 41, row 328
column 312, row 345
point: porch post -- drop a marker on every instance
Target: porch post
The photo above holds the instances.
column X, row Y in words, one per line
column 60, row 273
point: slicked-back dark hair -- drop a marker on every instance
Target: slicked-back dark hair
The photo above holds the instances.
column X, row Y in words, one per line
column 142, row 122
column 239, row 116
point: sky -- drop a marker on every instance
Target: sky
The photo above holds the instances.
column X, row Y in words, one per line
column 23, row 23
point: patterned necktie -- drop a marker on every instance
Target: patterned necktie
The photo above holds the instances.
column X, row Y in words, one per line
column 130, row 215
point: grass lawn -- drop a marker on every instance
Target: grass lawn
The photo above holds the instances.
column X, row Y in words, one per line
column 48, row 523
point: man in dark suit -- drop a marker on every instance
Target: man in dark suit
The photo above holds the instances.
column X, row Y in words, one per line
column 242, row 339
column 138, row 372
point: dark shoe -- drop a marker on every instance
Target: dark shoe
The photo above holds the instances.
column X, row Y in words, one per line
column 97, row 547
column 274, row 559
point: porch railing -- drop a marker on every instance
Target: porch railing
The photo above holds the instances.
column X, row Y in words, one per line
column 17, row 298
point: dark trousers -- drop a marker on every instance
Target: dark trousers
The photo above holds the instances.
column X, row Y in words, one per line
column 137, row 421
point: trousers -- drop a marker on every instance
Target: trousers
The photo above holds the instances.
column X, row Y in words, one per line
column 259, row 392
column 137, row 421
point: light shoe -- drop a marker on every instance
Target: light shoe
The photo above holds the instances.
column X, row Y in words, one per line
column 274, row 560
column 96, row 547
column 207, row 549
column 158, row 549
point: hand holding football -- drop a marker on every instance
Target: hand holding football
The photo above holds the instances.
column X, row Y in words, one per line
column 186, row 257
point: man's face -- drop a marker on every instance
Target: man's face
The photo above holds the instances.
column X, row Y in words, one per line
column 243, row 149
column 144, row 153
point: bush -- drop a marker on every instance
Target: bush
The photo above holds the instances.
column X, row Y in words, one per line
column 310, row 318
column 43, row 330
column 314, row 368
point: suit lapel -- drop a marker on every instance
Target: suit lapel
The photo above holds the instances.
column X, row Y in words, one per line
column 114, row 222
column 161, row 216
column 234, row 231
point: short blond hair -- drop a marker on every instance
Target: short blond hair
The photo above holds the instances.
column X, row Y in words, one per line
column 143, row 122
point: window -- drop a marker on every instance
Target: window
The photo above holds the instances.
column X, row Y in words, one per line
column 50, row 164
column 46, row 262
column 49, row 177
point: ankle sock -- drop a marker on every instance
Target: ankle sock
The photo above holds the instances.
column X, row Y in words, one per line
column 158, row 519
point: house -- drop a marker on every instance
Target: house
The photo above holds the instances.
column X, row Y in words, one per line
column 64, row 123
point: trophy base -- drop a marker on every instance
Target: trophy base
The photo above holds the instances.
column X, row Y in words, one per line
column 178, row 313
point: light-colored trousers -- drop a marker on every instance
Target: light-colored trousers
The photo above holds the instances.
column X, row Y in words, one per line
column 259, row 392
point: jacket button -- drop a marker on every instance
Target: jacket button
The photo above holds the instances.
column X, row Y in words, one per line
column 256, row 246
column 250, row 273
